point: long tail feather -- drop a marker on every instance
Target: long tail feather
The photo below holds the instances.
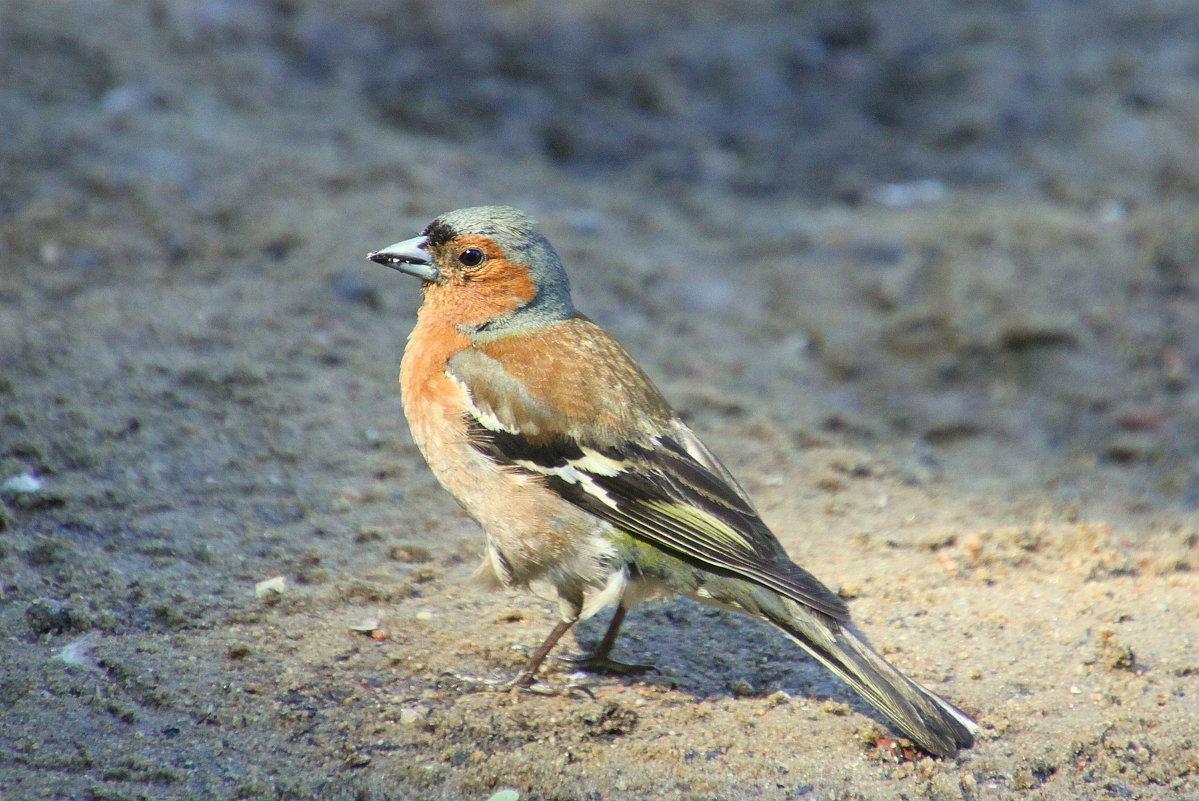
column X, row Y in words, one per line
column 934, row 724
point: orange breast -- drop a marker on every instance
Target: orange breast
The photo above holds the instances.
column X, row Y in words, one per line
column 531, row 527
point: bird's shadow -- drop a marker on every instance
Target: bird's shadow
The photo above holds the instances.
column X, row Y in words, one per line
column 708, row 654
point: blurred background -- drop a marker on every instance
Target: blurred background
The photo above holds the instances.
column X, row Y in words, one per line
column 912, row 260
column 1023, row 175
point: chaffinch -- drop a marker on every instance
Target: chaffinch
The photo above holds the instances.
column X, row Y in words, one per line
column 551, row 437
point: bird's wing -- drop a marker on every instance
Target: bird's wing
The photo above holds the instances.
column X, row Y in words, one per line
column 658, row 483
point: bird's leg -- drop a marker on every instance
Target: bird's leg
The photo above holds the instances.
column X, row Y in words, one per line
column 527, row 677
column 529, row 674
column 598, row 661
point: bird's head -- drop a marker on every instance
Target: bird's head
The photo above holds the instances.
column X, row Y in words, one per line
column 488, row 267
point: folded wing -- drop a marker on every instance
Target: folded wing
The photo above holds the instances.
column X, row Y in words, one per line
column 664, row 488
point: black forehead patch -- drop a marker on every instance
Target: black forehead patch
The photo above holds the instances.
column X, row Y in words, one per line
column 439, row 232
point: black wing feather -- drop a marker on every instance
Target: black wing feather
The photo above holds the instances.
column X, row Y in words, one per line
column 639, row 501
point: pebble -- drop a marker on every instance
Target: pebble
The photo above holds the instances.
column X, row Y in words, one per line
column 271, row 588
column 413, row 714
column 920, row 192
column 850, row 590
column 505, row 795
column 46, row 616
column 126, row 100
column 26, row 482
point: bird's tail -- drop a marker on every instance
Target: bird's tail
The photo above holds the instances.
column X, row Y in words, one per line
column 934, row 724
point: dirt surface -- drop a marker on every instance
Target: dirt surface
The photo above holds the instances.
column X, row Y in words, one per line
column 924, row 274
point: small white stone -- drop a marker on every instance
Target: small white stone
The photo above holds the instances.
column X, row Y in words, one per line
column 271, row 586
column 413, row 714
column 921, row 192
column 26, row 482
column 1110, row 212
column 505, row 795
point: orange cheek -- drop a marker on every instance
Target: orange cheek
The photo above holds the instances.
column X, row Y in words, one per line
column 497, row 289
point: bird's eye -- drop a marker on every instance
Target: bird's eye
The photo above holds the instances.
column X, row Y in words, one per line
column 471, row 257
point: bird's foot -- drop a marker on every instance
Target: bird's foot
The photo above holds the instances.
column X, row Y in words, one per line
column 598, row 663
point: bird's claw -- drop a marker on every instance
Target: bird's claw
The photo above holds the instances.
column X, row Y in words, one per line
column 593, row 663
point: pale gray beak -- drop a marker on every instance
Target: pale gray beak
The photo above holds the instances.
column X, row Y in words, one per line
column 409, row 257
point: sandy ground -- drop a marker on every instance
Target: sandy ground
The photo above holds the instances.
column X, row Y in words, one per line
column 924, row 274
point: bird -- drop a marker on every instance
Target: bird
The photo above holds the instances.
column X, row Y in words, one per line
column 559, row 445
